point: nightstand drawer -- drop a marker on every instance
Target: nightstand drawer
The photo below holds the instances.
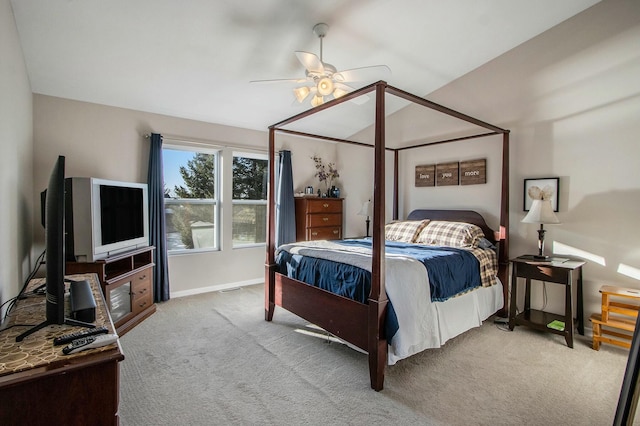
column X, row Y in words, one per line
column 543, row 272
column 326, row 233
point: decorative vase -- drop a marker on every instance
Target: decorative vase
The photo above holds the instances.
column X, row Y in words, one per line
column 335, row 192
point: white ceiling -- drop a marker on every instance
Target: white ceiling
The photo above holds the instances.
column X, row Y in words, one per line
column 194, row 59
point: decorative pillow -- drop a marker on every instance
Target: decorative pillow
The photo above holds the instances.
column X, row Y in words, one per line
column 450, row 234
column 405, row 231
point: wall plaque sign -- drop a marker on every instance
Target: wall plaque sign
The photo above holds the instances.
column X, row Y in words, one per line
column 447, row 174
column 473, row 172
column 425, row 175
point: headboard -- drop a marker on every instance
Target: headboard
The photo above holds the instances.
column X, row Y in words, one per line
column 467, row 216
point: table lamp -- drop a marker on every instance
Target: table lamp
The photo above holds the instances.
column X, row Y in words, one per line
column 366, row 211
column 541, row 212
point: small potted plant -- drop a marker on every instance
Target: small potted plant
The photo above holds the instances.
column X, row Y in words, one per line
column 326, row 174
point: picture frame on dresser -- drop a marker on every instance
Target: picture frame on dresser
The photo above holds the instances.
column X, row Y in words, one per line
column 553, row 182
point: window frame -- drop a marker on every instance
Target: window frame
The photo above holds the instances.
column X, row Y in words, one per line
column 256, row 156
column 215, row 202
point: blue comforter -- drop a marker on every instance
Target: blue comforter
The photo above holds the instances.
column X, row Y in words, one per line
column 451, row 271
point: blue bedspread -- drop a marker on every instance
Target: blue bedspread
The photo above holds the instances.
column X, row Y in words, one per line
column 451, row 271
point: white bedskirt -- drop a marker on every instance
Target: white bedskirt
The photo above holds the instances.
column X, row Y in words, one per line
column 445, row 320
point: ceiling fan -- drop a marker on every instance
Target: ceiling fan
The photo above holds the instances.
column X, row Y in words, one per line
column 322, row 80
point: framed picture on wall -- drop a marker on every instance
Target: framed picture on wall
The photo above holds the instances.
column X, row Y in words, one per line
column 553, row 183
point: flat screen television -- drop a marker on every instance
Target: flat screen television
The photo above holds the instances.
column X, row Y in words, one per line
column 104, row 218
column 54, row 217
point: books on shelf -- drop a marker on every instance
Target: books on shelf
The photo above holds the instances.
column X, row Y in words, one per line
column 556, row 325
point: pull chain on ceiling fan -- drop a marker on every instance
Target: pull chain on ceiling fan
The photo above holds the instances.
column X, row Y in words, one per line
column 322, row 79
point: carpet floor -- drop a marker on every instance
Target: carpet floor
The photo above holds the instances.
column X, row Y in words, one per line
column 213, row 359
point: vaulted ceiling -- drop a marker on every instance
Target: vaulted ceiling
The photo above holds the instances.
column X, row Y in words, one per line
column 195, row 59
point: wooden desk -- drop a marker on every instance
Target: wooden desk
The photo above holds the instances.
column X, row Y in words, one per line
column 568, row 273
column 41, row 386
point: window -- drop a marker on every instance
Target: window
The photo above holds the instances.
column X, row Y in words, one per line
column 191, row 198
column 250, row 176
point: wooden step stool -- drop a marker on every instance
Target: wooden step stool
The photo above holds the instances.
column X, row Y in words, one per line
column 623, row 318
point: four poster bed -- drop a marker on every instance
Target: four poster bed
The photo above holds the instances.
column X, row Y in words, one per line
column 444, row 271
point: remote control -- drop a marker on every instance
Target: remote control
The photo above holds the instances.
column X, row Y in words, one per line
column 89, row 342
column 61, row 340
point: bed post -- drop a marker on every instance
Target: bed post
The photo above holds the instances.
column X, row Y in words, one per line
column 503, row 253
column 270, row 278
column 395, row 184
column 377, row 345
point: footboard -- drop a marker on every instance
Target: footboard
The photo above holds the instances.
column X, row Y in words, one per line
column 354, row 322
column 340, row 316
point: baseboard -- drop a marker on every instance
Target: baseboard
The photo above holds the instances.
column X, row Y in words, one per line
column 218, row 287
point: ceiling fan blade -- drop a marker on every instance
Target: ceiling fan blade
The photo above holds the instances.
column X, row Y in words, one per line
column 310, row 61
column 371, row 73
column 281, row 80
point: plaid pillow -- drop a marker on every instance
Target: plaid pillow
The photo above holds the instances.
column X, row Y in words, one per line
column 450, row 234
column 405, row 231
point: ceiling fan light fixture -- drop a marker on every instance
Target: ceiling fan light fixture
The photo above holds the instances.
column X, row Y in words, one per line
column 338, row 92
column 317, row 100
column 325, row 86
column 301, row 93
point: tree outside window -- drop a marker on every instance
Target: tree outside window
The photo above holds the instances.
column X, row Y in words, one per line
column 250, row 175
column 191, row 204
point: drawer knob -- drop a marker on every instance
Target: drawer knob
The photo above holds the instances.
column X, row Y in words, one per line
column 142, row 277
column 314, row 234
column 335, row 231
column 325, row 205
column 325, row 219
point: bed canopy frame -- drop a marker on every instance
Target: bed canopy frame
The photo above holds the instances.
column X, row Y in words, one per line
column 362, row 324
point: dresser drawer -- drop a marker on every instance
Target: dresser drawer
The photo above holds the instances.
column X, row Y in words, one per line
column 331, row 219
column 142, row 284
column 324, row 205
column 324, row 233
column 141, row 303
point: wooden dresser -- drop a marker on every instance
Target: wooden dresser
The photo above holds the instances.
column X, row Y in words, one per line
column 39, row 385
column 318, row 218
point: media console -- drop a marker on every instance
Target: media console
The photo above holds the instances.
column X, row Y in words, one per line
column 127, row 284
column 39, row 385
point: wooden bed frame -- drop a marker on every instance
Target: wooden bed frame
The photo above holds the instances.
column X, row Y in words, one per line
column 363, row 324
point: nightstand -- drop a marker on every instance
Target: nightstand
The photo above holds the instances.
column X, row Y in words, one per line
column 567, row 272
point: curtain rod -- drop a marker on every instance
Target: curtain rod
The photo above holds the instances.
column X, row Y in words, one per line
column 204, row 142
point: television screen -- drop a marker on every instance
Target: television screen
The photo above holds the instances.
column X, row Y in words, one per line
column 121, row 213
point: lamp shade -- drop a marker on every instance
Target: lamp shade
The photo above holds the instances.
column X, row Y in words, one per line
column 317, row 100
column 338, row 92
column 541, row 212
column 366, row 209
column 301, row 93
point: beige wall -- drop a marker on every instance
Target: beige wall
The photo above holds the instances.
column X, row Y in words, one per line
column 107, row 142
column 16, row 160
column 571, row 98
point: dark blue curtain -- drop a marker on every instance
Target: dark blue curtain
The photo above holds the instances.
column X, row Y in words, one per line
column 285, row 205
column 157, row 228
